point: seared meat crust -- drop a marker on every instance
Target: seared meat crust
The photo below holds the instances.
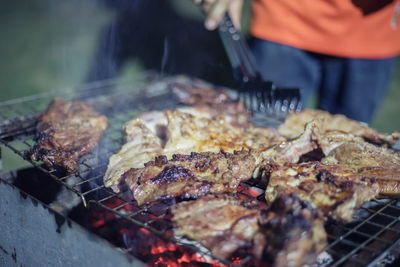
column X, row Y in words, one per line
column 189, row 176
column 335, row 191
column 294, row 126
column 65, row 132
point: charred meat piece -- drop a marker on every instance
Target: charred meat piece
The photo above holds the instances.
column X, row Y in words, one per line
column 294, row 126
column 217, row 101
column 220, row 223
column 189, row 176
column 365, row 159
column 170, row 132
column 288, row 233
column 335, row 191
column 65, row 132
column 294, row 232
column 145, row 137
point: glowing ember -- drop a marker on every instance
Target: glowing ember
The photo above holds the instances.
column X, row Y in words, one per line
column 255, row 191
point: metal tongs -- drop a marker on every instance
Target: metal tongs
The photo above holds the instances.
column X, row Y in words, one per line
column 258, row 94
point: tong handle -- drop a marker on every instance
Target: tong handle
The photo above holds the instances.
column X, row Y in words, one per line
column 261, row 94
column 239, row 54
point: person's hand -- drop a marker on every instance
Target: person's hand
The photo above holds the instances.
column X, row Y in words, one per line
column 216, row 9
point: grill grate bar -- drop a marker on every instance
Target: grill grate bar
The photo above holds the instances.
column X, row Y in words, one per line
column 384, row 214
column 89, row 180
column 94, row 189
column 106, row 198
column 363, row 245
column 381, row 225
column 358, row 226
column 122, row 205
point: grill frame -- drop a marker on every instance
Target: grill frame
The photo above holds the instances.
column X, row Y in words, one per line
column 18, row 129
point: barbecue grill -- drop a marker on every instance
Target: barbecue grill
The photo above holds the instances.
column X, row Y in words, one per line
column 105, row 228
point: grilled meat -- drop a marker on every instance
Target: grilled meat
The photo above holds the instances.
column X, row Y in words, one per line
column 216, row 101
column 220, row 223
column 142, row 146
column 145, row 138
column 294, row 126
column 65, row 132
column 294, row 232
column 170, row 132
column 288, row 233
column 335, row 191
column 363, row 158
column 291, row 151
column 189, row 176
column 187, row 133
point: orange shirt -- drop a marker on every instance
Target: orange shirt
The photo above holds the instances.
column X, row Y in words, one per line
column 332, row 27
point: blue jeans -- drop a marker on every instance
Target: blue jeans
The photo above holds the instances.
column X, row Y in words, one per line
column 350, row 86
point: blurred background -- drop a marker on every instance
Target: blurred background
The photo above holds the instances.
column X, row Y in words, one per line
column 49, row 45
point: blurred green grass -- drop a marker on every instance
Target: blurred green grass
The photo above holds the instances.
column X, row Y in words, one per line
column 387, row 118
column 49, row 45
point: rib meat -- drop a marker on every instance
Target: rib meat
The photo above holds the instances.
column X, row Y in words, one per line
column 294, row 126
column 335, row 191
column 288, row 233
column 363, row 158
column 65, row 132
column 189, row 176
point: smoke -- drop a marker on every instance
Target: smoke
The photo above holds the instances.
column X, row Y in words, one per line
column 164, row 56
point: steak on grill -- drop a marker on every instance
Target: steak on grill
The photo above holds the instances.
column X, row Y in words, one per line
column 189, row 176
column 173, row 131
column 65, row 132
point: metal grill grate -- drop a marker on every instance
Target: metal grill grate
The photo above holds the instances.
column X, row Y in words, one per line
column 369, row 239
